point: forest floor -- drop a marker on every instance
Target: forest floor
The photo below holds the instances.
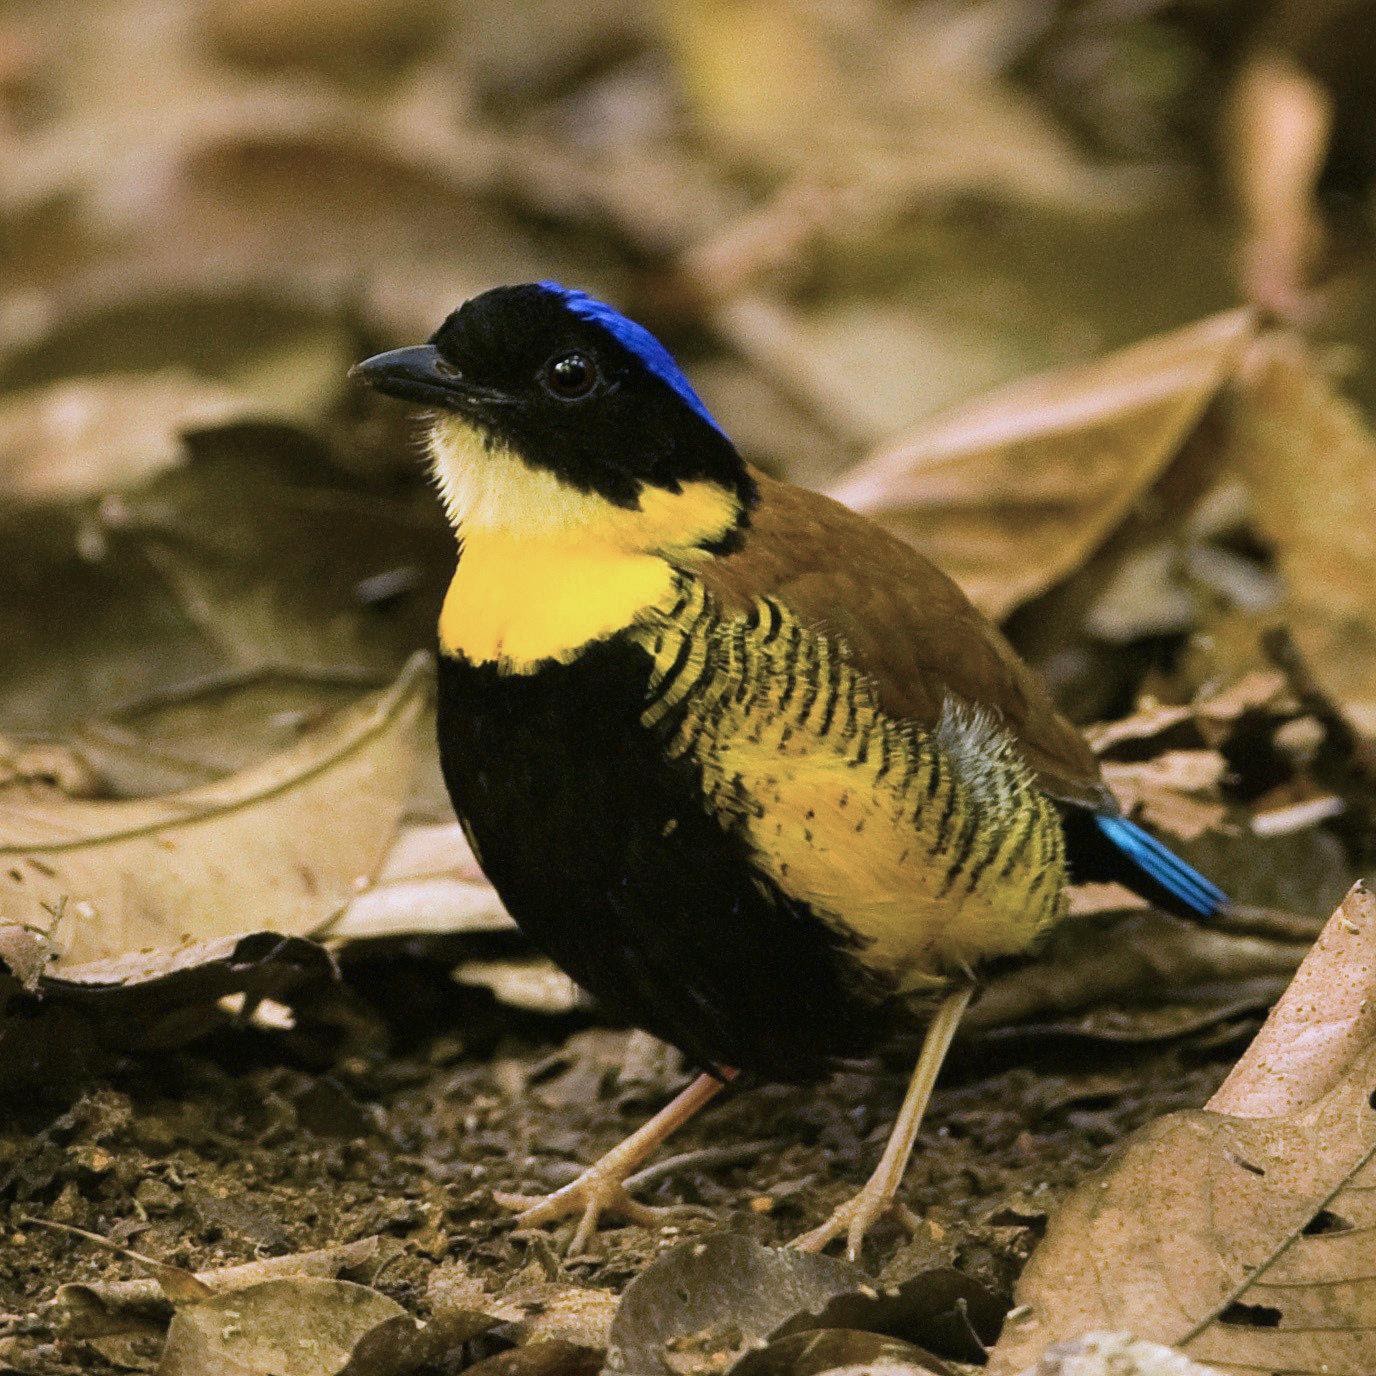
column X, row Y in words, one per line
column 247, row 1145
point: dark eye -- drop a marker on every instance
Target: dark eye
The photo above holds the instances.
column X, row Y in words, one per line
column 571, row 376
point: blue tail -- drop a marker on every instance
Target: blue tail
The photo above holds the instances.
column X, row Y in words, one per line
column 1167, row 876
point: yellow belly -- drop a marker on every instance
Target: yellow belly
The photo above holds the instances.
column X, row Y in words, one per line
column 931, row 850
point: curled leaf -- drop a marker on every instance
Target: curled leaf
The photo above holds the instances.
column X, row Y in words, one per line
column 1241, row 1241
column 300, row 833
column 1011, row 493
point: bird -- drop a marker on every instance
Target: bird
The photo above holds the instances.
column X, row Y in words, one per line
column 753, row 771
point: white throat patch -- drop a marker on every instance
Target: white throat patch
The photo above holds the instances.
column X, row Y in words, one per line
column 491, row 490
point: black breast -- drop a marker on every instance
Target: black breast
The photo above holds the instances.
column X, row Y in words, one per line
column 602, row 849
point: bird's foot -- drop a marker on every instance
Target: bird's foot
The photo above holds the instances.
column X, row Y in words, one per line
column 855, row 1218
column 596, row 1192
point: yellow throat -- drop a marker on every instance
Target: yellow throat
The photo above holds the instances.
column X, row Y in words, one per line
column 546, row 568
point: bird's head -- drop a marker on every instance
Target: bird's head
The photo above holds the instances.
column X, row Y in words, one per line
column 554, row 413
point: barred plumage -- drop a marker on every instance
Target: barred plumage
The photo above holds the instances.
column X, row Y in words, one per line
column 890, row 832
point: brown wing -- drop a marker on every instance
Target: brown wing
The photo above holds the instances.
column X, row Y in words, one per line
column 910, row 628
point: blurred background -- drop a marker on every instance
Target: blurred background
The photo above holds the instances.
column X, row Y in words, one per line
column 848, row 216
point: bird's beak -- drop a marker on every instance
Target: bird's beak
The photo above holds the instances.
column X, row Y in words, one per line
column 417, row 374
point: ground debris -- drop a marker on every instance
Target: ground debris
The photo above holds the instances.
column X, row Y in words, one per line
column 1235, row 1234
column 94, row 1308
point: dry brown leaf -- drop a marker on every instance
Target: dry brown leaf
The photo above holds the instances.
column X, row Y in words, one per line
column 1011, row 493
column 912, row 100
column 93, row 1308
column 335, row 36
column 283, row 845
column 1322, row 1024
column 326, row 207
column 1133, row 956
column 1310, row 460
column 1114, row 1354
column 56, row 1026
column 1165, row 791
column 295, row 1326
column 429, row 885
column 79, row 439
column 1242, row 1241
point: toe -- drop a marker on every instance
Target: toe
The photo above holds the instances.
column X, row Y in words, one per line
column 863, row 1214
column 817, row 1238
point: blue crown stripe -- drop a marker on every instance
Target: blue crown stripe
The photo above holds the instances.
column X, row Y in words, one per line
column 637, row 340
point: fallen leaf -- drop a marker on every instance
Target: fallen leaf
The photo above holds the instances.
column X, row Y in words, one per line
column 429, row 885
column 176, row 1284
column 1133, row 955
column 1213, row 716
column 718, row 1297
column 25, row 954
column 840, row 1350
column 1009, row 494
column 1309, row 457
column 533, row 983
column 198, row 972
column 548, row 1357
column 1240, row 1240
column 1130, row 1024
column 709, row 1303
column 189, row 734
column 295, row 1326
column 907, row 99
column 93, row 1308
column 558, row 1310
column 300, row 833
column 343, row 37
column 1176, row 792
column 255, row 554
column 83, row 438
column 59, row 1029
column 1115, row 1354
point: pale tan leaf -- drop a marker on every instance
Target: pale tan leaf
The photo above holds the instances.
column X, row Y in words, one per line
column 429, row 885
column 1011, row 493
column 1310, row 459
column 1114, row 1354
column 283, row 845
column 1325, row 1020
column 81, row 438
column 295, row 1326
column 533, row 984
column 1242, row 1241
column 89, row 1309
column 1175, row 792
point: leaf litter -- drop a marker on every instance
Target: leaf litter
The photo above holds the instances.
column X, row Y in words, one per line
column 221, row 553
column 1250, row 1253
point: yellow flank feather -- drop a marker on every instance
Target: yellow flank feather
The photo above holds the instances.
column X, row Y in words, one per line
column 929, row 850
column 546, row 568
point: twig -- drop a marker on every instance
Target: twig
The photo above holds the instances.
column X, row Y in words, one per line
column 703, row 1156
column 177, row 1283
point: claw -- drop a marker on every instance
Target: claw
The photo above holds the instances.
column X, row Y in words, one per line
column 593, row 1194
column 855, row 1218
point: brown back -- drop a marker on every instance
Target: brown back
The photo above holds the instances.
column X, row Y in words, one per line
column 909, row 627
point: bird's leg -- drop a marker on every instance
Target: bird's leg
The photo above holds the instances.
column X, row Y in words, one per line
column 600, row 1188
column 879, row 1193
